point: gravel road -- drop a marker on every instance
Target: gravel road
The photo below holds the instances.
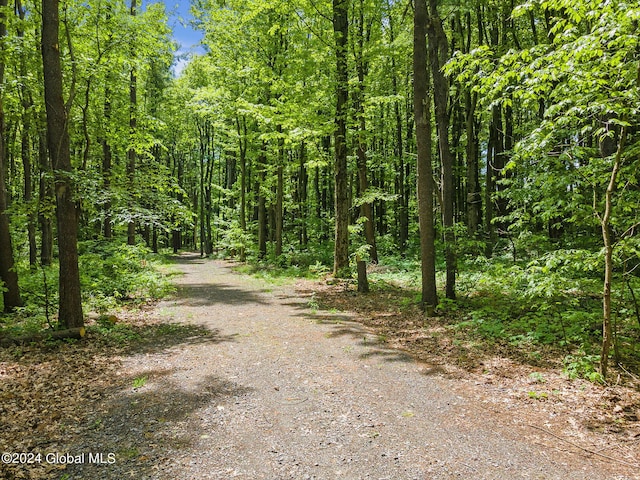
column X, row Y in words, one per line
column 282, row 391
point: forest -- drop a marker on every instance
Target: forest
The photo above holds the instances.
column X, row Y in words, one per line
column 483, row 155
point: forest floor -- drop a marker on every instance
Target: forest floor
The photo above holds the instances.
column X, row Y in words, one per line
column 236, row 378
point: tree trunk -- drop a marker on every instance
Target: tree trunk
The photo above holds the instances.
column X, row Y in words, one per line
column 262, row 204
column 133, row 122
column 363, row 282
column 45, row 198
column 605, row 223
column 474, row 193
column 26, row 151
column 70, row 305
column 303, row 185
column 425, row 184
column 438, row 53
column 366, row 209
column 279, row 206
column 494, row 154
column 341, row 34
column 107, row 162
column 242, row 145
column 8, row 275
column 402, row 214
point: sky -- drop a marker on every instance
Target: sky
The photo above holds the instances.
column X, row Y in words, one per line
column 187, row 38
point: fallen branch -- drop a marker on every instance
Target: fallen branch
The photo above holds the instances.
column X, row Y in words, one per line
column 613, row 459
column 76, row 333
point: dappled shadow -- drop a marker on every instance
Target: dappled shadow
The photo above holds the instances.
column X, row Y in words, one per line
column 388, row 355
column 410, row 335
column 155, row 338
column 346, row 326
column 205, row 294
column 329, row 319
column 188, row 258
column 50, row 388
column 150, row 424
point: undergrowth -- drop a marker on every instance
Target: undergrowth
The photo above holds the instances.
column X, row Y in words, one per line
column 111, row 275
column 543, row 304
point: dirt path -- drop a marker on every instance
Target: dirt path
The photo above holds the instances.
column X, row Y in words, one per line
column 279, row 391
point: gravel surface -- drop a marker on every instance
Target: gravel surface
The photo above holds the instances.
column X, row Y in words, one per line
column 280, row 391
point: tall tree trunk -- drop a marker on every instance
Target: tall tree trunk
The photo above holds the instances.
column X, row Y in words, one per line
column 26, row 151
column 45, row 197
column 242, row 146
column 341, row 34
column 8, row 275
column 362, row 67
column 208, row 201
column 425, row 182
column 474, row 193
column 28, row 187
column 201, row 199
column 605, row 223
column 494, row 156
column 133, row 123
column 401, row 190
column 107, row 162
column 262, row 204
column 279, row 206
column 438, row 53
column 303, row 185
column 402, row 213
column 70, row 306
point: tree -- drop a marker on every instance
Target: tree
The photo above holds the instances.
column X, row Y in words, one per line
column 577, row 159
column 438, row 56
column 341, row 37
column 133, row 124
column 423, row 140
column 363, row 37
column 70, row 303
column 8, row 275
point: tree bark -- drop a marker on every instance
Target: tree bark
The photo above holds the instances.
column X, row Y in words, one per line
column 494, row 155
column 133, row 122
column 107, row 162
column 279, row 206
column 438, row 53
column 75, row 333
column 262, row 204
column 8, row 275
column 341, row 34
column 363, row 282
column 70, row 303
column 425, row 182
column 474, row 192
column 605, row 223
column 45, row 197
column 242, row 147
column 26, row 151
column 366, row 209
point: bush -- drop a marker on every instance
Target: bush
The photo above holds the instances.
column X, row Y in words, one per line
column 112, row 273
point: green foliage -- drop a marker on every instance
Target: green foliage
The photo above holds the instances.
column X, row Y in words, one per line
column 581, row 365
column 139, row 382
column 551, row 301
column 113, row 273
column 233, row 239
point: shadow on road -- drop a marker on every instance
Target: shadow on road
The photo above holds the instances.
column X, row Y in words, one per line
column 203, row 294
column 144, row 426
